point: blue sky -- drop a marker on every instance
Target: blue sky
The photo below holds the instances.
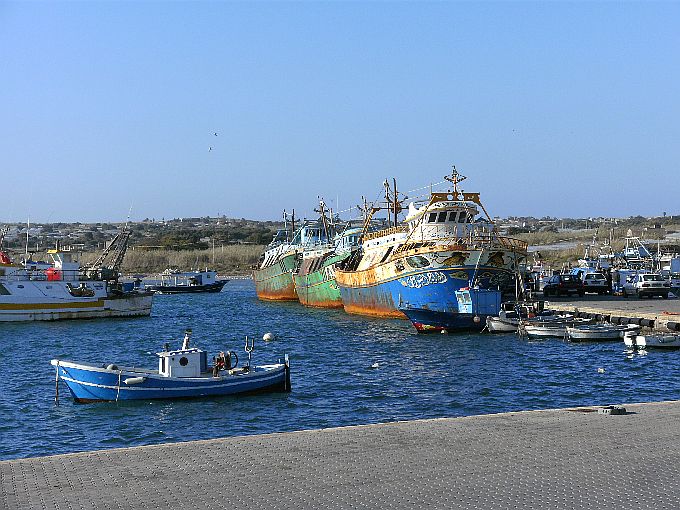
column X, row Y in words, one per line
column 560, row 109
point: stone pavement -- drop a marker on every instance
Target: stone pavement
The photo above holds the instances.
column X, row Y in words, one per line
column 660, row 311
column 539, row 459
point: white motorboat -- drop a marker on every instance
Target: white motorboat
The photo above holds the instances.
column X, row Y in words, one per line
column 513, row 312
column 555, row 328
column 658, row 341
column 598, row 332
column 64, row 290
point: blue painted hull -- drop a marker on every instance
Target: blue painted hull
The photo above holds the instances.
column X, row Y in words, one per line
column 431, row 321
column 91, row 383
column 434, row 289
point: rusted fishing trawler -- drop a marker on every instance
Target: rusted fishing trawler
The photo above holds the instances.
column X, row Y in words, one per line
column 315, row 272
column 274, row 275
column 443, row 246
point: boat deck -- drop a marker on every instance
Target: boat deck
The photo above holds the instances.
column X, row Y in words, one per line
column 538, row 459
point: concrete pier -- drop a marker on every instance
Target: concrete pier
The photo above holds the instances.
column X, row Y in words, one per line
column 658, row 314
column 555, row 459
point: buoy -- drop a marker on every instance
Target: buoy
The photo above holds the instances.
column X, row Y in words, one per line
column 268, row 337
column 111, row 367
column 375, row 365
column 600, row 370
column 476, row 319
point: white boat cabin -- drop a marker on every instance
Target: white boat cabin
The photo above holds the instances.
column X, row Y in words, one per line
column 182, row 363
column 446, row 218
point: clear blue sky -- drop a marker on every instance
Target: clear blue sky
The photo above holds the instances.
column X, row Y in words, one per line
column 561, row 109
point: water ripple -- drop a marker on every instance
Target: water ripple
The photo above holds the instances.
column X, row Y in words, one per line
column 345, row 370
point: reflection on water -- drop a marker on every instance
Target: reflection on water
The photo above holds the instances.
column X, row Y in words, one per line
column 345, row 370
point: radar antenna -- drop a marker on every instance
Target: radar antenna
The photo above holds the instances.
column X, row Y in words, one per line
column 455, row 178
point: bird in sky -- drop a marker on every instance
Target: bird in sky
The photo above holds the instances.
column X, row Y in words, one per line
column 210, row 149
column 215, row 133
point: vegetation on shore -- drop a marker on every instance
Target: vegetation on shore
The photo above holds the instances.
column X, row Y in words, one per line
column 233, row 259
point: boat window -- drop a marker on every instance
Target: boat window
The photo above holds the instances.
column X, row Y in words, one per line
column 183, row 361
column 3, row 290
column 442, row 217
column 432, row 218
column 453, row 216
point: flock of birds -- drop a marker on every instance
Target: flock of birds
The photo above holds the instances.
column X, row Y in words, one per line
column 210, row 147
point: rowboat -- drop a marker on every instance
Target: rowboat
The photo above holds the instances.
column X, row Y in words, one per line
column 652, row 341
column 599, row 332
column 182, row 373
column 555, row 328
column 513, row 312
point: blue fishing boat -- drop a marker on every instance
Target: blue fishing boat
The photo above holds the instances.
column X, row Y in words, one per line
column 182, row 373
column 444, row 245
column 472, row 308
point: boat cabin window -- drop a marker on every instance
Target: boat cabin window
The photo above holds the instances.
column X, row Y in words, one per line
column 453, row 216
column 442, row 217
column 432, row 218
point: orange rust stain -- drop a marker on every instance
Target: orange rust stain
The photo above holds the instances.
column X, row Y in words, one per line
column 285, row 295
column 374, row 312
column 323, row 304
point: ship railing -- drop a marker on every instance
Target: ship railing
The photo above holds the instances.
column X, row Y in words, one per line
column 489, row 238
column 401, row 229
column 23, row 275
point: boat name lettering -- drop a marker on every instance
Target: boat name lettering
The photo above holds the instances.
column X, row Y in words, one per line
column 418, row 281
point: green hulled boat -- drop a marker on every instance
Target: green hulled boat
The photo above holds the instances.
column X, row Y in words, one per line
column 315, row 276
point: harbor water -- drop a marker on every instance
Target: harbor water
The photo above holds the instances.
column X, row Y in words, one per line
column 345, row 370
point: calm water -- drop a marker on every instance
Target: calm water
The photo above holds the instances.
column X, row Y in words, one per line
column 333, row 381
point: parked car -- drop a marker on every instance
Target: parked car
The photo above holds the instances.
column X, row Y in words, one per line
column 563, row 284
column 595, row 282
column 647, row 285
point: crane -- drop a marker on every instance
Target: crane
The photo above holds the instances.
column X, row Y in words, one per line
column 107, row 266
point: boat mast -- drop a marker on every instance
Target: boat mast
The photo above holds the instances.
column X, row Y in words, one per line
column 395, row 201
column 322, row 212
column 386, row 185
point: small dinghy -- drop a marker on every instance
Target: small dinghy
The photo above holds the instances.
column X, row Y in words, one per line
column 555, row 328
column 183, row 373
column 651, row 341
column 599, row 332
column 512, row 312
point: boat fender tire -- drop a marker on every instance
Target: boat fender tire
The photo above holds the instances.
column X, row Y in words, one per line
column 231, row 355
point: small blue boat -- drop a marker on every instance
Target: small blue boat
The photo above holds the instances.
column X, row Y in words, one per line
column 183, row 373
column 470, row 312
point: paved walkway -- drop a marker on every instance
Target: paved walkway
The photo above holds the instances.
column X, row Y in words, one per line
column 661, row 311
column 555, row 459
